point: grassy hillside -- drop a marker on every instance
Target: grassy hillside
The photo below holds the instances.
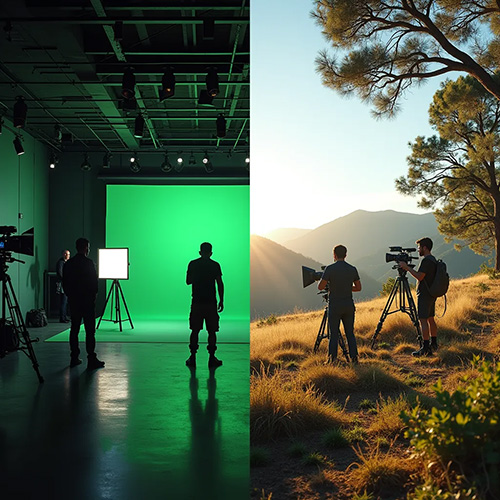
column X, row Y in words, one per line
column 334, row 431
column 276, row 280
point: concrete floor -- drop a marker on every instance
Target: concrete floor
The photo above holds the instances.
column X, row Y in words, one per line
column 144, row 427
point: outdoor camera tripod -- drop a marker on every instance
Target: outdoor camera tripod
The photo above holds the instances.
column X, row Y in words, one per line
column 324, row 329
column 23, row 340
column 401, row 293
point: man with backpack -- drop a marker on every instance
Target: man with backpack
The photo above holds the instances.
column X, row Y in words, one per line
column 426, row 301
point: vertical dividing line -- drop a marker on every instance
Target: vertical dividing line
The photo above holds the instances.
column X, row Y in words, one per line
column 18, row 222
column 83, row 205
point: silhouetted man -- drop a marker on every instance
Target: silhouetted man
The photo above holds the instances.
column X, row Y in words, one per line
column 203, row 274
column 342, row 279
column 63, row 298
column 426, row 303
column 80, row 285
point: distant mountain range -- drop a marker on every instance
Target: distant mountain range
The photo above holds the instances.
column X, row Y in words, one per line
column 276, row 279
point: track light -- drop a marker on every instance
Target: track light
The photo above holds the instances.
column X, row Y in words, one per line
column 118, row 31
column 54, row 160
column 247, row 159
column 128, row 83
column 167, row 88
column 179, row 163
column 166, row 166
column 192, row 159
column 57, row 133
column 207, row 164
column 134, row 163
column 139, row 126
column 128, row 105
column 221, row 126
column 106, row 160
column 205, row 99
column 208, row 29
column 20, row 112
column 212, row 80
column 18, row 145
column 85, row 166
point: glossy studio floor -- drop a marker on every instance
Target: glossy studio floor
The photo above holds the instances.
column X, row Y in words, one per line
column 144, row 427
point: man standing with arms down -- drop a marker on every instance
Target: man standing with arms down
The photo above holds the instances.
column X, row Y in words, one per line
column 203, row 274
column 426, row 303
column 343, row 279
column 80, row 284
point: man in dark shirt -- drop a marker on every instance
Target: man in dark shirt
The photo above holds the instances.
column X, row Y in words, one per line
column 342, row 279
column 203, row 274
column 426, row 304
column 63, row 298
column 80, row 284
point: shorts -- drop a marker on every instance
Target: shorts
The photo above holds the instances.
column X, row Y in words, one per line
column 426, row 306
column 206, row 312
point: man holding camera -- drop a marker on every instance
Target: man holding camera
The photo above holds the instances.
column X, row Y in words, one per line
column 342, row 279
column 426, row 303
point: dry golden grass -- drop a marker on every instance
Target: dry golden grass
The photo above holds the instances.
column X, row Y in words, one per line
column 285, row 407
column 380, row 472
column 387, row 421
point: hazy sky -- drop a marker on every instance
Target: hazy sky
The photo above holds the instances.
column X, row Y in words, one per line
column 316, row 156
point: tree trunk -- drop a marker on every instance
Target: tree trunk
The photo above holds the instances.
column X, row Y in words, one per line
column 496, row 222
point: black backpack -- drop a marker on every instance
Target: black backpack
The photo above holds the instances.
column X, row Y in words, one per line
column 441, row 281
column 36, row 318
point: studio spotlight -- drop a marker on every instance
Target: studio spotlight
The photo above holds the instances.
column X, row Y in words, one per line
column 208, row 29
column 85, row 166
column 128, row 105
column 18, row 145
column 167, row 88
column 20, row 112
column 128, row 83
column 221, row 126
column 207, row 164
column 54, row 160
column 134, row 163
column 179, row 163
column 247, row 159
column 106, row 160
column 166, row 166
column 57, row 133
column 118, row 31
column 205, row 99
column 212, row 80
column 192, row 159
column 139, row 126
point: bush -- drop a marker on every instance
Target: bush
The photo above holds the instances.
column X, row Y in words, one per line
column 462, row 434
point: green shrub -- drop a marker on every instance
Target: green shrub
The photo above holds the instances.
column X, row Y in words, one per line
column 462, row 434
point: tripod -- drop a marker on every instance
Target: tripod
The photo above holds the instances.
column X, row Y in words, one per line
column 115, row 292
column 15, row 319
column 324, row 329
column 400, row 292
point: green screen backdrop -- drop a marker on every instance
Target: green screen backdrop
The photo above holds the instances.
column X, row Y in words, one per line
column 163, row 226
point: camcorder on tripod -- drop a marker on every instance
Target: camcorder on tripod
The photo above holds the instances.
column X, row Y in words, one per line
column 12, row 320
column 400, row 293
column 309, row 276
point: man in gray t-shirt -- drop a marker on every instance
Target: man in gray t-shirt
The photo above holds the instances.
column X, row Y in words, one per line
column 342, row 279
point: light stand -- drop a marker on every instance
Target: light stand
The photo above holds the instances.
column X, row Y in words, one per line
column 115, row 294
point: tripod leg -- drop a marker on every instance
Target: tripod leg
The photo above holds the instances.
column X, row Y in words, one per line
column 105, row 305
column 413, row 312
column 125, row 304
column 342, row 345
column 387, row 308
column 321, row 332
column 18, row 324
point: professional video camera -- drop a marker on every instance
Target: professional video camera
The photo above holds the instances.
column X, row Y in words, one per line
column 309, row 276
column 22, row 243
column 402, row 256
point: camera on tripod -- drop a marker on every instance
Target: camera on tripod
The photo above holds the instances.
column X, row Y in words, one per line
column 402, row 256
column 309, row 276
column 21, row 243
